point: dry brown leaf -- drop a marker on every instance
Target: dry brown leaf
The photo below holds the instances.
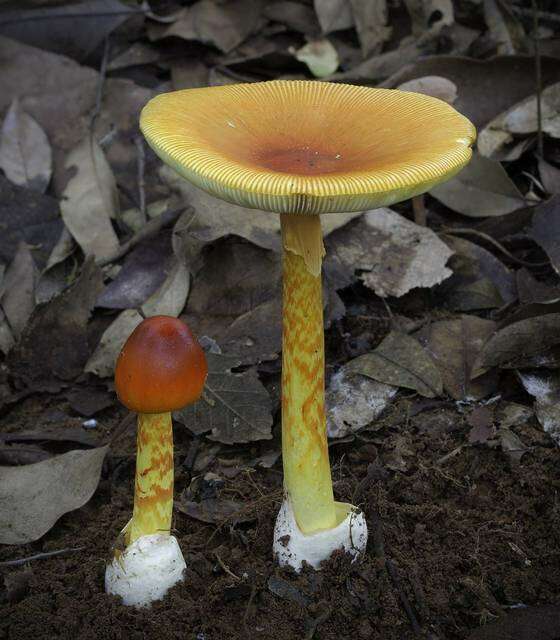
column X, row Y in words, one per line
column 33, row 497
column 90, row 200
column 334, row 15
column 17, row 290
column 25, row 152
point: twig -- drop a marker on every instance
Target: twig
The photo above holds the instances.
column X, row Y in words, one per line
column 249, row 603
column 39, row 556
column 403, row 598
column 100, row 84
column 480, row 234
column 538, row 78
column 225, row 567
column 151, row 228
column 141, row 167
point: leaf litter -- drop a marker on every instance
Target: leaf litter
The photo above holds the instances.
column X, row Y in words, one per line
column 442, row 356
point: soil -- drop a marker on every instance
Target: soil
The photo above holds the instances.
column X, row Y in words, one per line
column 459, row 535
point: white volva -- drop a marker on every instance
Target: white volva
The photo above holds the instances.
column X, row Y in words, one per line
column 292, row 547
column 145, row 570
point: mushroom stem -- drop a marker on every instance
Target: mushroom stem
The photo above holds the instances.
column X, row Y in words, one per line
column 307, row 474
column 153, row 489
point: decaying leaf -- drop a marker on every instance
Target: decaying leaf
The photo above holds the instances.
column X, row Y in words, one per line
column 545, row 388
column 90, row 200
column 370, row 17
column 354, row 401
column 527, row 338
column 505, row 29
column 550, row 177
column 25, row 152
column 33, row 497
column 74, row 29
column 400, row 361
column 481, row 189
column 54, row 344
column 394, row 254
column 545, row 230
column 320, row 56
column 454, row 346
column 235, row 407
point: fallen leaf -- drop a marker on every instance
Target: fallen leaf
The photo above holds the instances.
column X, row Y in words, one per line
column 394, row 254
column 169, row 299
column 334, row 15
column 27, row 217
column 54, row 345
column 434, row 86
column 235, row 407
column 222, row 24
column 481, row 420
column 519, row 340
column 287, row 591
column 370, row 17
column 353, row 402
column 320, row 57
column 486, row 88
column 217, row 510
column 512, row 445
column 33, row 497
column 545, row 388
column 533, row 291
column 400, row 361
column 545, row 229
column 503, row 26
column 483, row 264
column 294, row 15
column 142, row 273
column 25, row 152
column 526, row 623
column 482, row 188
column 17, row 290
column 90, row 200
column 424, row 13
column 454, row 346
column 75, row 30
column 102, row 361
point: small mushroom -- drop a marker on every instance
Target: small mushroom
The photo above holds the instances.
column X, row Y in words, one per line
column 160, row 368
column 304, row 148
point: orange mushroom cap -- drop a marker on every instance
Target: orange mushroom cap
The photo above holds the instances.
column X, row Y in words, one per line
column 161, row 367
column 308, row 147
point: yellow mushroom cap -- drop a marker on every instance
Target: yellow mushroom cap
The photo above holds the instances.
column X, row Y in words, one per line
column 306, row 146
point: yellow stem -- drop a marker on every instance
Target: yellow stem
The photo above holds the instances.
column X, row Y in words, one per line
column 153, row 490
column 307, row 474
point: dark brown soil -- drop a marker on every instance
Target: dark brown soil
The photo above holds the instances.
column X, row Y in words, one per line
column 465, row 537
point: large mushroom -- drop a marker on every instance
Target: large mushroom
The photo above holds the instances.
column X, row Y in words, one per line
column 160, row 368
column 304, row 148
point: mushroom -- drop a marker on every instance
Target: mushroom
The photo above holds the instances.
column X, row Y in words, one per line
column 160, row 368
column 304, row 148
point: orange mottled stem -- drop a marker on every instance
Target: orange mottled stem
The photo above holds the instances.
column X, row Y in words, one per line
column 307, row 476
column 153, row 491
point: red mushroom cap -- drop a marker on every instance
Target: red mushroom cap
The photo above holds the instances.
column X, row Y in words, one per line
column 161, row 367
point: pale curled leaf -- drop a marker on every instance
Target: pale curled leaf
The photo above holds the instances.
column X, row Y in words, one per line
column 482, row 189
column 435, row 86
column 334, row 15
column 25, row 152
column 402, row 255
column 320, row 57
column 90, row 200
column 33, row 497
column 370, row 17
column 235, row 407
column 400, row 361
column 544, row 386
